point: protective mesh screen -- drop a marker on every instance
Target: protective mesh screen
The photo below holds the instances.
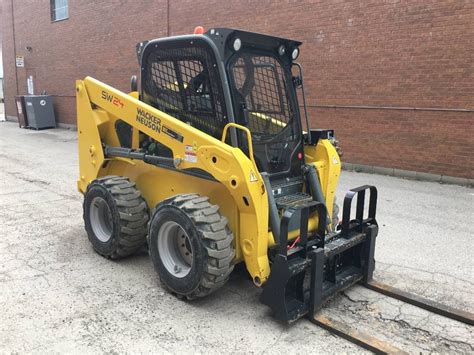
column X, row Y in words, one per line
column 261, row 82
column 264, row 86
column 185, row 83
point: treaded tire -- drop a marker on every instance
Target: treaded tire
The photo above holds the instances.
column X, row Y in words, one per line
column 210, row 238
column 128, row 216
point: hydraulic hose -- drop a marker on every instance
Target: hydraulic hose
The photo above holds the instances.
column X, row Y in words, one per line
column 315, row 187
column 272, row 209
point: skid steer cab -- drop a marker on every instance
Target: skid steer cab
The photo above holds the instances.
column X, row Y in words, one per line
column 210, row 163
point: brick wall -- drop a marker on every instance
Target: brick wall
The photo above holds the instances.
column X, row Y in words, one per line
column 392, row 53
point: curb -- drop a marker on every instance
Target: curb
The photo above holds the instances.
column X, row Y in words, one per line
column 69, row 126
column 408, row 174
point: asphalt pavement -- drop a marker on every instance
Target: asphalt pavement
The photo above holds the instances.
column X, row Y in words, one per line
column 58, row 295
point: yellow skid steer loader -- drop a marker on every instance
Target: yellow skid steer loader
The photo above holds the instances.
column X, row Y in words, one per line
column 210, row 163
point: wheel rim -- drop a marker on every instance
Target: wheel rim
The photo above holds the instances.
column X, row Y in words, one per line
column 101, row 219
column 175, row 249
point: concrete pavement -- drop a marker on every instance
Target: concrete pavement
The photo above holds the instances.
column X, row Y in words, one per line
column 57, row 295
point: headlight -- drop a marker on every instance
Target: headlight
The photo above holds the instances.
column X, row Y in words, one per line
column 281, row 50
column 295, row 53
column 237, row 44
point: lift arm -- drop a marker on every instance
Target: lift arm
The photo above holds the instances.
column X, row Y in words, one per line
column 99, row 104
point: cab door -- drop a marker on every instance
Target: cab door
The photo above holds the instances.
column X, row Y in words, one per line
column 265, row 102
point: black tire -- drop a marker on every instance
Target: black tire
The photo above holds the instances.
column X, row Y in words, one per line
column 208, row 238
column 124, row 231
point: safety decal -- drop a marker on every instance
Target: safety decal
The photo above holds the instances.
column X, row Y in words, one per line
column 172, row 134
column 335, row 161
column 190, row 154
column 253, row 177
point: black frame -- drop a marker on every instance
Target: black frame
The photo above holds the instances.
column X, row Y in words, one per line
column 219, row 40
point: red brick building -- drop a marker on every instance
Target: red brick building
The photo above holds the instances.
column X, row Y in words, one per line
column 394, row 78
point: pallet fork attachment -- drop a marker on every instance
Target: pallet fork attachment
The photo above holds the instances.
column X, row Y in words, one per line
column 304, row 278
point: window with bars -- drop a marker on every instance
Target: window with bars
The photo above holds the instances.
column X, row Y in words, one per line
column 184, row 82
column 59, row 10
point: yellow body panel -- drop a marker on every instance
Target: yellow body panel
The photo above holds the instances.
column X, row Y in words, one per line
column 238, row 187
column 328, row 165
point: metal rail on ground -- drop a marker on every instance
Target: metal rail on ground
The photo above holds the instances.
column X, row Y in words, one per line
column 378, row 346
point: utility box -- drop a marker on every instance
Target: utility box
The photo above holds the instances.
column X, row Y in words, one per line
column 21, row 111
column 39, row 111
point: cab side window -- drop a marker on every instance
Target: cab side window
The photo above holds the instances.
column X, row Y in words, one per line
column 185, row 83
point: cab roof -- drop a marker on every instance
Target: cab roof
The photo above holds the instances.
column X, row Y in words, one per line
column 224, row 37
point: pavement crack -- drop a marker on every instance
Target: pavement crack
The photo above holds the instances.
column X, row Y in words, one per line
column 432, row 273
column 363, row 304
column 427, row 336
column 22, row 177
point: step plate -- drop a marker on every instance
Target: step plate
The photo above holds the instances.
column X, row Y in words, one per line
column 294, row 199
